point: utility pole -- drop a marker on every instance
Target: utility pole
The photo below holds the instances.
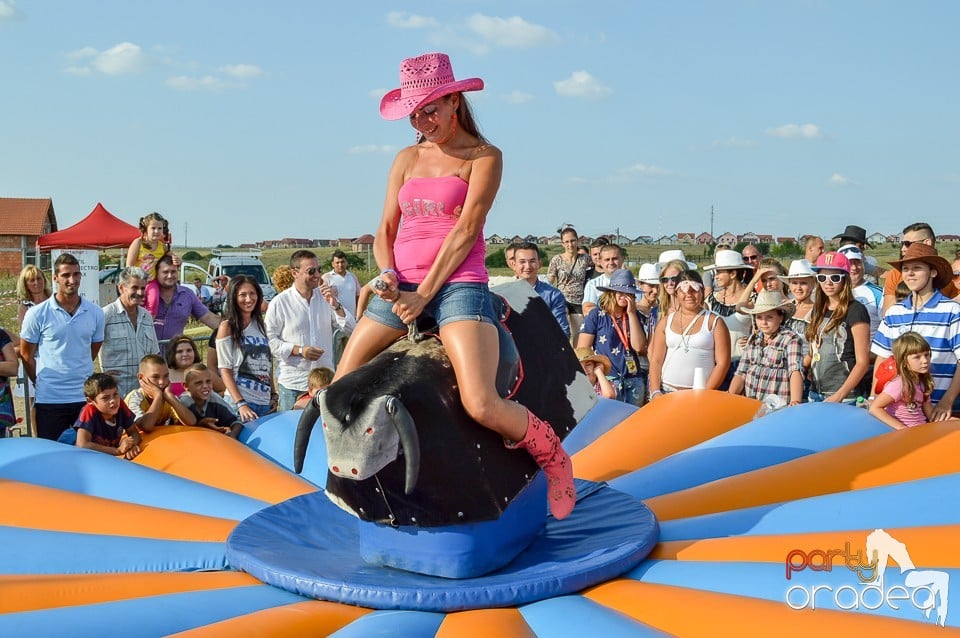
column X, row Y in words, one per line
column 711, row 222
column 185, row 244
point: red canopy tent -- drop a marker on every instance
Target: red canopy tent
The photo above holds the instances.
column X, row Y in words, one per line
column 98, row 230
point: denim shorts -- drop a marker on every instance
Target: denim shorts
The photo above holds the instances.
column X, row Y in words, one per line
column 453, row 302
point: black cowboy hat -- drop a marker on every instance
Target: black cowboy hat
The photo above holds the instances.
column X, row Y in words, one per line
column 854, row 234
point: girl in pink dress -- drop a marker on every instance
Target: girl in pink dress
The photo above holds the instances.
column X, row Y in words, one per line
column 905, row 399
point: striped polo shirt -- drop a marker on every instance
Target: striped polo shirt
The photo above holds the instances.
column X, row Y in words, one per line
column 938, row 321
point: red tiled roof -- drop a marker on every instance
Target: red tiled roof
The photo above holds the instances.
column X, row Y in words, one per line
column 364, row 239
column 22, row 216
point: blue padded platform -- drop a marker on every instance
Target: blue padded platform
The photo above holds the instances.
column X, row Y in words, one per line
column 309, row 546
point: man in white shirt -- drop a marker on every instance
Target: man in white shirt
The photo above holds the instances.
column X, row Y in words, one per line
column 345, row 282
column 869, row 294
column 300, row 323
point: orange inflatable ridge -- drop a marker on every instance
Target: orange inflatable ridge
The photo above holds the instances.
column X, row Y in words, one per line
column 895, row 457
column 36, row 507
column 187, row 452
column 310, row 618
column 484, row 623
column 654, row 432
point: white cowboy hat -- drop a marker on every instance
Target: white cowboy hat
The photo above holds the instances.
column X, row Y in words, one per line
column 674, row 255
column 727, row 260
column 799, row 268
column 771, row 300
column 649, row 274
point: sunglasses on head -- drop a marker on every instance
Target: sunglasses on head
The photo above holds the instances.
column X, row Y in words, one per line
column 689, row 286
column 670, row 280
column 834, row 278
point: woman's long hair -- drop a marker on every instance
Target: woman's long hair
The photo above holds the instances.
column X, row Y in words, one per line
column 233, row 316
column 820, row 304
column 31, row 272
column 905, row 345
column 664, row 299
column 608, row 302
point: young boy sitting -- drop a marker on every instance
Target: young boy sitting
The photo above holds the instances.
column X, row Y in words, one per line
column 319, row 379
column 209, row 409
column 154, row 403
column 106, row 424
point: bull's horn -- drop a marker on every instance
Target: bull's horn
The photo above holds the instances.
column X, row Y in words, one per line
column 304, row 429
column 408, row 439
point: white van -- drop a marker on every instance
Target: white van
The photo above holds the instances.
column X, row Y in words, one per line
column 231, row 263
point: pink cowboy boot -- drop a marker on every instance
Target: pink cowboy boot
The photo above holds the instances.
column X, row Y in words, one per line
column 545, row 448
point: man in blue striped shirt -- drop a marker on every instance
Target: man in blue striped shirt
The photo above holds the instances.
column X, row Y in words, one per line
column 932, row 315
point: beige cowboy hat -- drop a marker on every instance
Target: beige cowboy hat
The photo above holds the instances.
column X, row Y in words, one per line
column 587, row 354
column 768, row 300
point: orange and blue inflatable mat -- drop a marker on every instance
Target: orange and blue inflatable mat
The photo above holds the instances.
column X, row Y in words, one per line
column 754, row 515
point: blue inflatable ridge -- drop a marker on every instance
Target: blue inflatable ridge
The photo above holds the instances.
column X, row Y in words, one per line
column 910, row 504
column 776, row 438
column 82, row 471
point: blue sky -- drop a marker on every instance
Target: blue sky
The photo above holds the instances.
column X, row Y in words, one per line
column 258, row 120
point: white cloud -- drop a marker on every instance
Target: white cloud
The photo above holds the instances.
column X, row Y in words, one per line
column 796, row 131
column 839, row 180
column 582, row 84
column 378, row 94
column 8, row 9
column 242, row 71
column 374, row 149
column 518, row 97
column 205, row 83
column 80, row 54
column 512, row 32
column 404, row 20
column 123, row 59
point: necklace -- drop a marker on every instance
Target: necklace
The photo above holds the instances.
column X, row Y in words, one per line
column 685, row 335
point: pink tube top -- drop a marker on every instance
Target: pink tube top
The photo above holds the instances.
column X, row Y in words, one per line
column 429, row 208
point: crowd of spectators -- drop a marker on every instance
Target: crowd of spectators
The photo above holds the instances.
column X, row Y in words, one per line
column 831, row 326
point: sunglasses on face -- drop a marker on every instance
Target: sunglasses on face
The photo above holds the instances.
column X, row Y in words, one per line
column 907, row 244
column 689, row 286
column 670, row 280
column 311, row 271
column 752, row 257
column 834, row 278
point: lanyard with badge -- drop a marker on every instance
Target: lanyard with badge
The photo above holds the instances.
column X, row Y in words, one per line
column 629, row 358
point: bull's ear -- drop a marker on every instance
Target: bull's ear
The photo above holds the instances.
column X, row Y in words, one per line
column 409, row 439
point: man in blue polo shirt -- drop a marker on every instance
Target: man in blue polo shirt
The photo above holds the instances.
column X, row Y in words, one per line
column 65, row 333
column 927, row 312
column 526, row 266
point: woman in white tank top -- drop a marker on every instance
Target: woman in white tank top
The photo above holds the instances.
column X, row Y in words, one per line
column 690, row 338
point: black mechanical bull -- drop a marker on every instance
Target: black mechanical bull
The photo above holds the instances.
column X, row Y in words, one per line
column 402, row 450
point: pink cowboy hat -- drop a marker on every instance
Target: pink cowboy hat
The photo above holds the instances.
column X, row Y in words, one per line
column 423, row 79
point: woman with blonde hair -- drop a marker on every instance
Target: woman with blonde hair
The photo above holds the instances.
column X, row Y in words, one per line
column 615, row 330
column 32, row 289
column 672, row 263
